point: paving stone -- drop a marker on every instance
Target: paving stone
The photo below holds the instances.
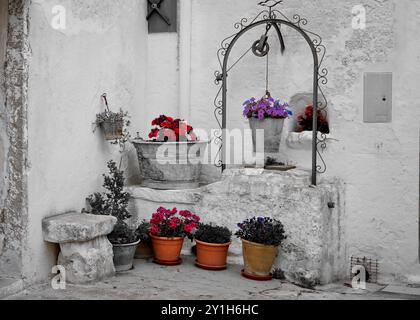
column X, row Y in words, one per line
column 406, row 290
column 148, row 281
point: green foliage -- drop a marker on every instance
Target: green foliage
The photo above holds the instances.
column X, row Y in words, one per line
column 263, row 230
column 213, row 234
column 143, row 232
column 114, row 202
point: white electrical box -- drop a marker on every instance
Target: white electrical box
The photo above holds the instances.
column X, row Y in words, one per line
column 377, row 106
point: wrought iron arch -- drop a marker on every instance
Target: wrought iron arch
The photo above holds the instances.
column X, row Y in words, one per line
column 271, row 18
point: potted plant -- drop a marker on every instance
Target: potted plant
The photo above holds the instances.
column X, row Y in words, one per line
column 172, row 158
column 114, row 202
column 267, row 114
column 261, row 238
column 305, row 120
column 112, row 123
column 144, row 249
column 168, row 230
column 212, row 246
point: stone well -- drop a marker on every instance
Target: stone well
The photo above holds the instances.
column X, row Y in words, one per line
column 314, row 252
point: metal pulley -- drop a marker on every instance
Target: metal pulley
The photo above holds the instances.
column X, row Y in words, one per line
column 261, row 47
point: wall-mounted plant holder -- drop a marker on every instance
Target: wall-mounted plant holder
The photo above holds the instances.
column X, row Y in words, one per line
column 112, row 123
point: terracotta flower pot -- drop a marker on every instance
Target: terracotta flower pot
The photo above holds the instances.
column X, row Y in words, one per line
column 258, row 260
column 144, row 251
column 212, row 256
column 167, row 251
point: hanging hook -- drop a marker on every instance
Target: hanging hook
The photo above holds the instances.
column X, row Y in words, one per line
column 282, row 45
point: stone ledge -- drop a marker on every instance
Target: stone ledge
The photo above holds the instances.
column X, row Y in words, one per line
column 314, row 252
column 76, row 227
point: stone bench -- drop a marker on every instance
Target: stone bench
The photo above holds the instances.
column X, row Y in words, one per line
column 86, row 254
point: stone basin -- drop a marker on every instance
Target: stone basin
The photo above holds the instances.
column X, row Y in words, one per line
column 170, row 165
column 314, row 252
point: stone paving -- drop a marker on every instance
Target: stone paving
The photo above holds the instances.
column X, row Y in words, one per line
column 186, row 282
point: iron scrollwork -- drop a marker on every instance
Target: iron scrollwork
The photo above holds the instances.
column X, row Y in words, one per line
column 274, row 17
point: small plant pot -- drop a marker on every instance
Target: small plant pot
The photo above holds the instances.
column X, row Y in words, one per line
column 113, row 130
column 258, row 260
column 124, row 255
column 167, row 251
column 144, row 251
column 212, row 256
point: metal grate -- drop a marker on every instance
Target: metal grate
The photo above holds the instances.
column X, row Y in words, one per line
column 371, row 266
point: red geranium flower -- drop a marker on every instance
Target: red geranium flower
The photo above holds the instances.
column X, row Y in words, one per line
column 166, row 223
column 179, row 128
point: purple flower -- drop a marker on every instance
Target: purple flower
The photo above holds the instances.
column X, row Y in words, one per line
column 266, row 107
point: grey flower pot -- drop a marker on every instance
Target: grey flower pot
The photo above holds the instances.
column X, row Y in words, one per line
column 170, row 165
column 124, row 256
column 273, row 129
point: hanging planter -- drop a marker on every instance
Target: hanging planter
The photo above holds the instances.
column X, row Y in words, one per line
column 172, row 160
column 266, row 114
column 261, row 238
column 168, row 231
column 112, row 123
column 212, row 246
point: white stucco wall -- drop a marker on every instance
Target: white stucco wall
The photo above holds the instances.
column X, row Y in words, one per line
column 102, row 49
column 378, row 162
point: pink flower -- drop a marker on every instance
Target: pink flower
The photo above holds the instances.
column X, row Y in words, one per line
column 154, row 230
column 190, row 227
column 174, row 223
column 185, row 213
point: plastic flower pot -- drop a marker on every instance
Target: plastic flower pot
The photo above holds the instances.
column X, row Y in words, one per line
column 273, row 129
column 211, row 256
column 113, row 130
column 144, row 251
column 124, row 255
column 170, row 165
column 258, row 260
column 167, row 251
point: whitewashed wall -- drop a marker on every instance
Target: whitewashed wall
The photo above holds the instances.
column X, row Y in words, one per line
column 102, row 49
